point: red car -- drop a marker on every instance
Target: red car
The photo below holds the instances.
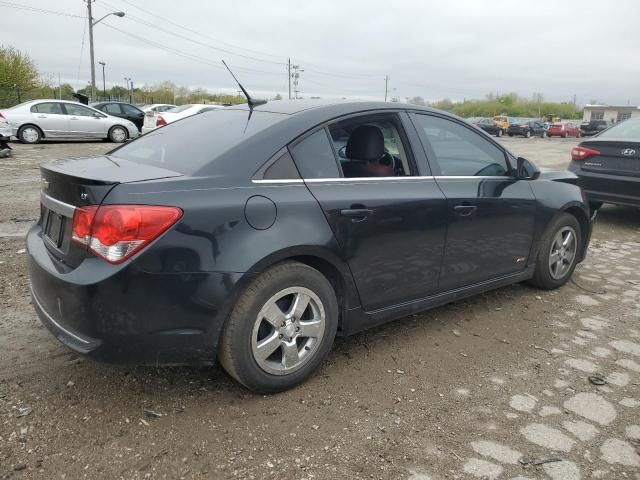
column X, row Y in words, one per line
column 563, row 130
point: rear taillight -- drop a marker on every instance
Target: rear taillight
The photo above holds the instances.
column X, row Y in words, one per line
column 116, row 232
column 523, row 126
column 160, row 122
column 582, row 153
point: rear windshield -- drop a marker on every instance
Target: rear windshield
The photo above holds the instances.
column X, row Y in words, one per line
column 188, row 145
column 628, row 129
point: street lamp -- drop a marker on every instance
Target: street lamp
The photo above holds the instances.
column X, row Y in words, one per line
column 93, row 23
column 104, row 83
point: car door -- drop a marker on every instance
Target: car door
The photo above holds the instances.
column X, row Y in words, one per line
column 51, row 118
column 490, row 213
column 389, row 224
column 85, row 122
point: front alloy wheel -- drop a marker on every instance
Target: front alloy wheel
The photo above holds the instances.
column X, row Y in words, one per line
column 558, row 253
column 563, row 252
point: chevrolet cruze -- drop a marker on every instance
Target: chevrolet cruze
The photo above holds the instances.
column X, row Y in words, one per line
column 254, row 236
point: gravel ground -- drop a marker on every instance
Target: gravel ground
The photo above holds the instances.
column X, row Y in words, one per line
column 494, row 387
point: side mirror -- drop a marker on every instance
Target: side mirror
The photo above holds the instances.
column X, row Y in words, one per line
column 526, row 170
column 97, row 115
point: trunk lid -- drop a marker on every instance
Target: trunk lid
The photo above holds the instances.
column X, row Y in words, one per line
column 68, row 184
column 617, row 157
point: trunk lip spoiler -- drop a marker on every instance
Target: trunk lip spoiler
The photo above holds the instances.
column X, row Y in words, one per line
column 57, row 206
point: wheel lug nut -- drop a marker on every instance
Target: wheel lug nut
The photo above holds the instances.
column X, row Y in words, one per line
column 297, row 329
column 283, row 324
column 280, row 336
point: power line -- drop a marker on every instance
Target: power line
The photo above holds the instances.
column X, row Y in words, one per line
column 249, row 57
column 188, row 56
column 28, row 8
column 197, row 42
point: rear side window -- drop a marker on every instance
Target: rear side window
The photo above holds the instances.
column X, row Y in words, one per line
column 188, row 145
column 111, row 108
column 129, row 110
column 50, row 107
column 314, row 156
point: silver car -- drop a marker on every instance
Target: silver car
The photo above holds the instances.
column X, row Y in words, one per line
column 60, row 119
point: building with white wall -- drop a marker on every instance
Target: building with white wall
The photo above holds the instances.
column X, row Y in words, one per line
column 610, row 113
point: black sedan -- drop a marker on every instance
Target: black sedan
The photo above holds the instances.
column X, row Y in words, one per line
column 608, row 165
column 122, row 110
column 490, row 126
column 254, row 236
column 533, row 128
column 594, row 127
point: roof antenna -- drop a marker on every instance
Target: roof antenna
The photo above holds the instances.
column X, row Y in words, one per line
column 252, row 102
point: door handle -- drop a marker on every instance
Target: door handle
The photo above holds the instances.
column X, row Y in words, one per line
column 464, row 210
column 42, row 116
column 74, row 118
column 356, row 214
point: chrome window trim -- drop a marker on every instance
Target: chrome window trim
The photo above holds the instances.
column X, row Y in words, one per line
column 57, row 206
column 384, row 179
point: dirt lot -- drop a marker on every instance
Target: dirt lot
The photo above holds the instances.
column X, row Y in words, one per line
column 471, row 390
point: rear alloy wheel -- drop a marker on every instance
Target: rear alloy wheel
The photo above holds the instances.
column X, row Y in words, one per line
column 281, row 328
column 118, row 134
column 30, row 134
column 528, row 134
column 558, row 254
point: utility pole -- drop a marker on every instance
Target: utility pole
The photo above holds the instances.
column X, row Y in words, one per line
column 386, row 87
column 104, row 83
column 91, row 25
column 296, row 78
column 289, row 69
column 93, row 67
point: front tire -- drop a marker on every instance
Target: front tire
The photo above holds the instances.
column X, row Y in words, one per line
column 558, row 254
column 118, row 134
column 29, row 134
column 281, row 328
column 499, row 133
column 528, row 134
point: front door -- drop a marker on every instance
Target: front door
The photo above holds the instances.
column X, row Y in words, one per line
column 51, row 118
column 490, row 214
column 85, row 122
column 389, row 222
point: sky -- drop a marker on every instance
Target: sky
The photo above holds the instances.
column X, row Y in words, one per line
column 457, row 49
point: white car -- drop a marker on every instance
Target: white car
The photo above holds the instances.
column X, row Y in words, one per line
column 157, row 107
column 36, row 120
column 5, row 128
column 183, row 111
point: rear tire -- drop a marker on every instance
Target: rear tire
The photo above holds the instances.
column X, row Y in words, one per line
column 29, row 134
column 556, row 261
column 290, row 356
column 499, row 133
column 527, row 134
column 118, row 134
column 511, row 134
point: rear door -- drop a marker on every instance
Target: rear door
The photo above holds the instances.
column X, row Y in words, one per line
column 51, row 118
column 133, row 114
column 390, row 225
column 490, row 214
column 85, row 122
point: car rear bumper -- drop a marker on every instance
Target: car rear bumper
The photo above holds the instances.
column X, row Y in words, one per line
column 606, row 188
column 148, row 129
column 120, row 314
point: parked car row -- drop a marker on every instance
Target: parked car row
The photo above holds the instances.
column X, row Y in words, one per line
column 36, row 120
column 501, row 125
column 117, row 121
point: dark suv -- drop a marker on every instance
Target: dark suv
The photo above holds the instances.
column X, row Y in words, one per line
column 593, row 127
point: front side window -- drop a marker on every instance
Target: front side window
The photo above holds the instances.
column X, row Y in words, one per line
column 78, row 110
column 49, row 107
column 370, row 146
column 314, row 156
column 129, row 110
column 458, row 150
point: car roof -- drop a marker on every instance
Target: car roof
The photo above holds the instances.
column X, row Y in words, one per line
column 292, row 107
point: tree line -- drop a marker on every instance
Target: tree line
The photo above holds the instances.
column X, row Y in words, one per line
column 20, row 81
